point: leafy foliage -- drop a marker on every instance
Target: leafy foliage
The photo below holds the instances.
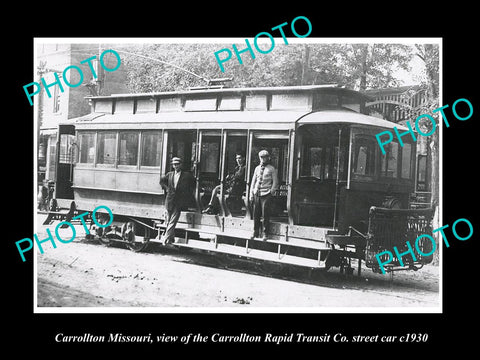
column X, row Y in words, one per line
column 357, row 66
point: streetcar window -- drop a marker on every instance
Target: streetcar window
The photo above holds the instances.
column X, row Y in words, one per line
column 312, row 162
column 331, row 162
column 422, row 166
column 66, row 149
column 235, row 144
column 182, row 144
column 51, row 157
column 325, row 100
column 322, row 162
column 151, row 148
column 279, row 160
column 422, row 184
column 87, row 147
column 407, row 161
column 328, row 174
column 390, row 161
column 364, row 156
column 210, row 155
column 128, row 148
column 106, row 148
column 289, row 102
column 278, row 149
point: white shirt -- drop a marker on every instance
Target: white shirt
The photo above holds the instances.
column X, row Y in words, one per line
column 176, row 176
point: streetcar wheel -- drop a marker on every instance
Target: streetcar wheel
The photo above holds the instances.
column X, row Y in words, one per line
column 107, row 239
column 134, row 242
column 107, row 236
column 139, row 244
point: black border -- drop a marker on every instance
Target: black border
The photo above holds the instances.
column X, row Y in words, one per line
column 455, row 26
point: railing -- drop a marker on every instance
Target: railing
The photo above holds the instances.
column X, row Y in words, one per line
column 389, row 228
column 397, row 106
column 420, row 200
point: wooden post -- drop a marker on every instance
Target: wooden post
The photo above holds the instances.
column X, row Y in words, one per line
column 291, row 157
column 197, row 170
column 337, row 180
column 221, row 176
column 248, row 158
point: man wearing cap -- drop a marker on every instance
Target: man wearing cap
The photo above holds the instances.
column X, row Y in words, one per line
column 179, row 186
column 264, row 184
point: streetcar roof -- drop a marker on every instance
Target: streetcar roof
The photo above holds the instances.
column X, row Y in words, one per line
column 271, row 120
column 280, row 120
column 229, row 108
column 249, row 90
column 346, row 117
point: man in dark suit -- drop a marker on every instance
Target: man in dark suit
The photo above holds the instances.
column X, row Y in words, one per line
column 179, row 186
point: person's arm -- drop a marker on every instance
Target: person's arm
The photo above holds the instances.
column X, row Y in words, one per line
column 241, row 174
column 164, row 181
column 252, row 185
column 192, row 183
column 274, row 181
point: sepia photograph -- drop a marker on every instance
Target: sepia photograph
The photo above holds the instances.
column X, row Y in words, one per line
column 228, row 175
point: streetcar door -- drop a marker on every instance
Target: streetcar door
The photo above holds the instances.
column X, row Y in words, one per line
column 320, row 173
column 209, row 171
column 66, row 150
column 236, row 144
column 276, row 143
column 181, row 143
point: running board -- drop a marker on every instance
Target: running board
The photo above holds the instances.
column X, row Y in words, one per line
column 246, row 252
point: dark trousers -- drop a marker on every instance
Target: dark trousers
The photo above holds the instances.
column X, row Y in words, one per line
column 261, row 208
column 171, row 221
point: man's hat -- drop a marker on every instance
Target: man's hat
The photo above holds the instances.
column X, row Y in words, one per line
column 176, row 160
column 263, row 153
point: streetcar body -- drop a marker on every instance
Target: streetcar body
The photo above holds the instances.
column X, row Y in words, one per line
column 331, row 170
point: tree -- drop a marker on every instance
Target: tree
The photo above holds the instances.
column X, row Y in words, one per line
column 363, row 66
column 357, row 66
column 429, row 53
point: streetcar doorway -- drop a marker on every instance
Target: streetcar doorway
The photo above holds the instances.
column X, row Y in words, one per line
column 65, row 159
column 217, row 166
column 181, row 144
column 321, row 171
column 277, row 146
column 208, row 165
column 235, row 188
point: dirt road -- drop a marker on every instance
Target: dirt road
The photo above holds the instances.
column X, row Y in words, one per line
column 84, row 273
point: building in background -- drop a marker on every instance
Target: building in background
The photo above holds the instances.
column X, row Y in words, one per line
column 399, row 105
column 63, row 106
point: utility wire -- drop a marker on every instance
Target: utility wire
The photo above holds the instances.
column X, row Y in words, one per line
column 142, row 56
column 163, row 62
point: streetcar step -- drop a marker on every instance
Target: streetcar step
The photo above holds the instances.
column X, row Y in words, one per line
column 247, row 235
column 250, row 253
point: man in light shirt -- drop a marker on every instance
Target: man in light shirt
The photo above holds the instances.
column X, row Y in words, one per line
column 179, row 186
column 263, row 187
